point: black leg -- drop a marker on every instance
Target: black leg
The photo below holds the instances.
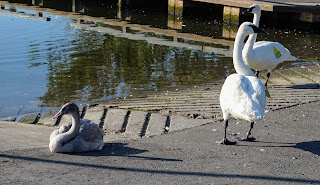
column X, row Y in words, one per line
column 225, row 140
column 241, row 138
column 225, row 130
column 249, row 132
column 268, row 76
column 257, row 73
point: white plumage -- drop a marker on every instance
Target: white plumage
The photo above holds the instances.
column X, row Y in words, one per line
column 263, row 55
column 243, row 94
column 243, row 97
column 78, row 136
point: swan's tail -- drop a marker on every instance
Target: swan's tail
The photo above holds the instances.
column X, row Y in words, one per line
column 291, row 58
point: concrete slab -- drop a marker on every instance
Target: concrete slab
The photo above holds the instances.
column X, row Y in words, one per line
column 156, row 124
column 27, row 118
column 313, row 68
column 294, row 77
column 136, row 123
column 115, row 119
column 95, row 114
column 48, row 113
column 180, row 123
column 276, row 79
column 310, row 74
column 18, row 136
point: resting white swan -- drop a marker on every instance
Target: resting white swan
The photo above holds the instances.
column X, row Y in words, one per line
column 243, row 94
column 263, row 55
column 77, row 136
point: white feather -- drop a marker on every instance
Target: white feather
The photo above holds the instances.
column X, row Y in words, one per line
column 243, row 97
column 262, row 55
column 242, row 94
column 77, row 136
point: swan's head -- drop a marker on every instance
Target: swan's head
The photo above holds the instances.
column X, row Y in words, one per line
column 255, row 9
column 248, row 28
column 67, row 109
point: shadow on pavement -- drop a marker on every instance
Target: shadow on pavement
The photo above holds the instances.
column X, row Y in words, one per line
column 159, row 171
column 306, row 86
column 308, row 146
column 311, row 146
column 121, row 150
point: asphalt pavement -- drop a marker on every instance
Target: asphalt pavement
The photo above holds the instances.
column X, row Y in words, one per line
column 286, row 151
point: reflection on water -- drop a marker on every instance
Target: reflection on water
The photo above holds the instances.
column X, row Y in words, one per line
column 52, row 62
column 115, row 66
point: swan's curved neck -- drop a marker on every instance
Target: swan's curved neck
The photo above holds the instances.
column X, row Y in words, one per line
column 256, row 18
column 253, row 37
column 73, row 131
column 238, row 63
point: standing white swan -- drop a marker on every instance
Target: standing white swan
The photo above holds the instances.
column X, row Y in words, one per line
column 243, row 94
column 77, row 136
column 263, row 55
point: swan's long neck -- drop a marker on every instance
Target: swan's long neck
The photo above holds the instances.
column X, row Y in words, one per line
column 73, row 131
column 253, row 37
column 256, row 19
column 238, row 63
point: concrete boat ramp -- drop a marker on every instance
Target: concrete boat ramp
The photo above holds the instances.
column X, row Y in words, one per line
column 178, row 109
column 286, row 151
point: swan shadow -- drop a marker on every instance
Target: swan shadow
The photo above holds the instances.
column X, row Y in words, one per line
column 121, row 150
column 306, row 86
column 308, row 146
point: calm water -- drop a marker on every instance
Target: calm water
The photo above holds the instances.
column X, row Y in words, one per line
column 48, row 63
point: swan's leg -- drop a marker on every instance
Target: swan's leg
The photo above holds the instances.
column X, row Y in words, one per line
column 257, row 73
column 268, row 76
column 241, row 138
column 249, row 132
column 225, row 131
column 225, row 140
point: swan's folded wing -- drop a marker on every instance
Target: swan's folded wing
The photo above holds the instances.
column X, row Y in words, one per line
column 272, row 50
column 240, row 97
column 90, row 131
column 259, row 92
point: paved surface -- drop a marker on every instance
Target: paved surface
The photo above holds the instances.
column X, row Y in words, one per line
column 286, row 151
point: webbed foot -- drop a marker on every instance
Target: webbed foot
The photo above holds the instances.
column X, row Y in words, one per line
column 226, row 142
column 241, row 138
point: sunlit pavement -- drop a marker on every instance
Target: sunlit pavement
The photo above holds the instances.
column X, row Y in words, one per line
column 286, row 151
